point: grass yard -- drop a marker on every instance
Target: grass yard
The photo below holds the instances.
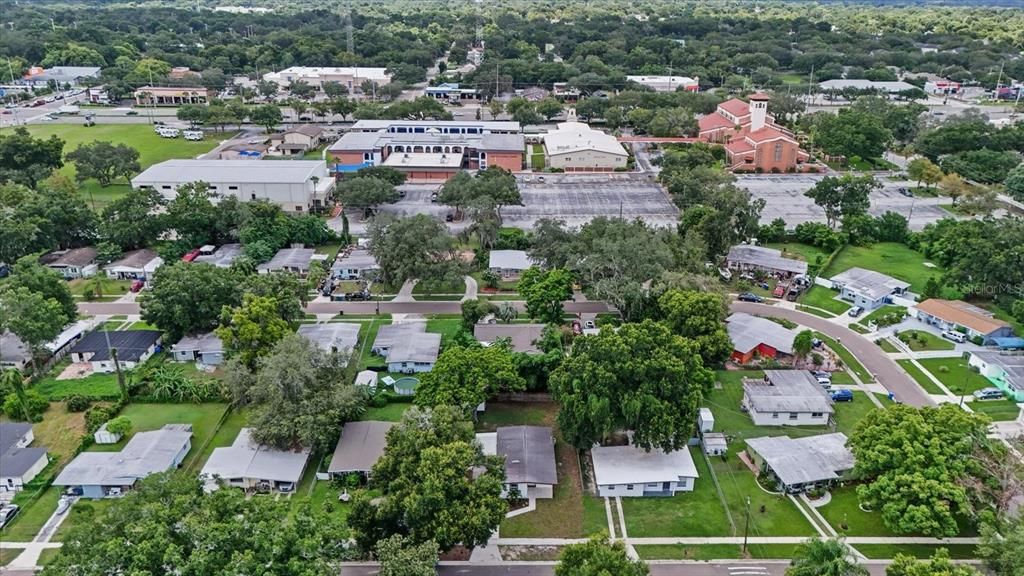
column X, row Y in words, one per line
column 595, row 519
column 446, row 327
column 536, row 152
column 96, row 386
column 32, row 516
column 8, row 554
column 815, row 311
column 144, row 417
column 918, row 340
column 770, row 514
column 825, row 298
column 366, row 357
column 920, row 377
column 805, row 252
column 82, row 513
column 324, row 495
column 881, row 312
column 844, row 509
column 890, row 258
column 713, row 551
column 152, row 149
column 331, row 250
column 503, row 284
column 887, row 551
column 848, row 414
column 47, row 556
column 955, row 374
column 848, row 359
column 60, row 431
column 429, row 288
column 697, row 513
column 886, row 346
column 107, row 287
column 389, row 413
column 998, row 410
column 224, row 436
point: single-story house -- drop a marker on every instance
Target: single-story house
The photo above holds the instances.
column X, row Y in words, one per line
column 960, row 316
column 867, row 288
column 391, row 333
column 135, row 265
column 509, row 263
column 786, row 398
column 19, row 463
column 14, row 353
column 745, row 257
column 411, row 353
column 524, row 337
column 301, row 139
column 251, row 466
column 294, row 260
column 755, row 337
column 73, row 263
column 529, row 453
column 70, row 335
column 221, row 257
column 205, row 348
column 356, row 265
column 360, row 446
column 332, row 337
column 133, row 348
column 804, row 463
column 110, row 474
column 632, row 471
column 1005, row 371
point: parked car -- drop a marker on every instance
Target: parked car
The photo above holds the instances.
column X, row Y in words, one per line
column 855, row 311
column 842, row 396
column 193, row 135
column 433, row 196
column 589, row 325
column 7, row 513
column 190, row 255
column 821, row 373
column 954, row 336
column 137, row 285
column 449, row 217
column 991, row 393
column 824, row 380
column 780, row 290
column 816, row 343
column 749, row 297
column 906, row 192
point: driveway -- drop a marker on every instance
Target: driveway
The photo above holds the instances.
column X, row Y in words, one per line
column 877, row 362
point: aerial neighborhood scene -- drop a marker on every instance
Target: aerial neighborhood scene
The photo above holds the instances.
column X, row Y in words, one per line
column 512, row 288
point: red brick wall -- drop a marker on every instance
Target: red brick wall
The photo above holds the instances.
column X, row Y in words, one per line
column 346, row 157
column 511, row 161
column 764, row 156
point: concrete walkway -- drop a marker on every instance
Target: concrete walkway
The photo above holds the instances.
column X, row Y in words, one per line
column 472, row 289
column 691, row 540
column 405, row 292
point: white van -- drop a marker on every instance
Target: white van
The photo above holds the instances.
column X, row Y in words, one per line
column 194, row 135
column 954, row 336
column 167, row 132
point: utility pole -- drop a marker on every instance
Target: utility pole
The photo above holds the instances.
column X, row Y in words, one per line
column 746, row 527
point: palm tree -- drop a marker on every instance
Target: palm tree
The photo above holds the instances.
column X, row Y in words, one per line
column 818, row 557
column 507, row 312
column 13, row 380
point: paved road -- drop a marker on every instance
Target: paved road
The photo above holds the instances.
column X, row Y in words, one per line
column 885, row 370
column 735, row 568
column 424, row 307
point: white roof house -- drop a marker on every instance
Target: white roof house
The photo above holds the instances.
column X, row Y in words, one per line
column 246, row 464
column 295, row 185
column 137, row 264
column 414, row 352
column 576, row 146
column 666, row 83
column 802, row 463
column 333, row 336
column 295, row 260
column 354, row 265
column 867, row 288
column 631, row 471
column 787, row 398
column 509, row 260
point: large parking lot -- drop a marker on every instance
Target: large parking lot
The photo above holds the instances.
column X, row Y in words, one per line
column 784, row 197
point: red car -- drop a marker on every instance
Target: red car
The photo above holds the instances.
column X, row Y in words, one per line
column 780, row 290
column 137, row 285
column 191, row 255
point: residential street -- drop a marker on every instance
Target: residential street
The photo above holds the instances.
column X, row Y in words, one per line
column 418, row 307
column 657, row 568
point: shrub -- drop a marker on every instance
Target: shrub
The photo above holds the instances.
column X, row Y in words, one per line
column 120, row 426
column 491, row 279
column 944, row 369
column 978, row 340
column 77, row 403
column 95, row 417
column 35, row 405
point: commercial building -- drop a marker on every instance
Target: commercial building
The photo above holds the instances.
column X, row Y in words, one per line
column 138, row 264
column 351, row 77
column 205, row 348
column 942, row 87
column 745, row 257
column 753, row 141
column 296, row 186
column 667, row 83
column 508, row 263
column 529, row 453
column 133, row 348
column 171, row 95
column 429, row 150
column 754, row 337
column 73, row 263
column 249, row 465
column 867, row 288
column 1004, row 370
column 801, row 464
column 61, row 76
column 360, row 446
column 786, row 398
column 632, row 471
column 575, row 147
column 452, row 92
column 840, row 85
column 19, row 463
column 111, row 474
column 959, row 316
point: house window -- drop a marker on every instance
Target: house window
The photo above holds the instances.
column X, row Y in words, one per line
column 166, row 187
column 253, row 196
column 775, row 415
column 778, row 151
column 298, row 208
column 232, row 187
column 629, row 486
column 792, row 415
column 816, row 414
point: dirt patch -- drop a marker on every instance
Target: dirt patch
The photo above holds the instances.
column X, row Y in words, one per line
column 75, row 371
column 60, row 431
column 529, row 553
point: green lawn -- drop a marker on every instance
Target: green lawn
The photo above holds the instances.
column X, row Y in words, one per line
column 815, row 311
column 109, row 287
column 887, row 551
column 697, row 513
column 97, row 386
column 32, row 516
column 882, row 311
column 955, row 374
column 848, row 414
column 428, row 288
column 920, row 377
column 770, row 514
column 886, row 346
column 224, row 436
column 152, row 149
column 369, row 334
column 800, row 251
column 82, row 513
column 849, row 361
column 8, row 554
column 389, row 413
column 821, row 297
column 144, row 417
column 896, row 260
column 446, row 327
column 918, row 340
column 713, row 551
column 595, row 519
column 844, row 509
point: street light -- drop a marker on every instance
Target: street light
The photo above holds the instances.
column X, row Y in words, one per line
column 746, row 527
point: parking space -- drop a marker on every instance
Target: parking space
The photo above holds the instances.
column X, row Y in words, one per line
column 784, row 197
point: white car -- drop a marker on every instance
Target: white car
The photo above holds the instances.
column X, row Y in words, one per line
column 194, row 135
column 166, row 132
column 954, row 336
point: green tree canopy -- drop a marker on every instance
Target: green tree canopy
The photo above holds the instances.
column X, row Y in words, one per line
column 544, row 292
column 366, row 192
column 251, row 330
column 130, row 221
column 598, row 557
column 842, row 196
column 818, row 557
column 466, row 377
column 416, row 247
column 699, row 316
column 188, row 297
column 28, row 160
column 938, row 565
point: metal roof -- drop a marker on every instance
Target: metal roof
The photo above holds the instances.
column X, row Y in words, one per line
column 509, row 260
column 803, row 460
column 206, row 342
column 871, row 284
column 223, row 257
column 572, row 137
column 747, row 332
column 146, row 453
column 632, row 465
column 131, row 345
column 420, row 348
column 766, row 258
column 289, row 258
column 360, row 446
column 356, row 260
column 523, row 336
column 787, row 391
column 529, row 453
column 340, row 336
column 183, row 171
column 137, row 259
column 247, row 459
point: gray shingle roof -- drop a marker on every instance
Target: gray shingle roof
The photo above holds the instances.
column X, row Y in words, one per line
column 205, row 342
column 509, row 260
column 869, row 283
column 522, row 336
column 130, row 344
column 411, row 347
column 223, row 257
column 134, row 259
column 807, row 459
column 146, row 453
column 340, row 336
column 391, row 333
column 763, row 257
column 529, row 453
column 360, row 446
column 15, row 461
column 247, row 459
column 289, row 258
column 747, row 332
column 74, row 257
column 787, row 391
column 12, row 349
